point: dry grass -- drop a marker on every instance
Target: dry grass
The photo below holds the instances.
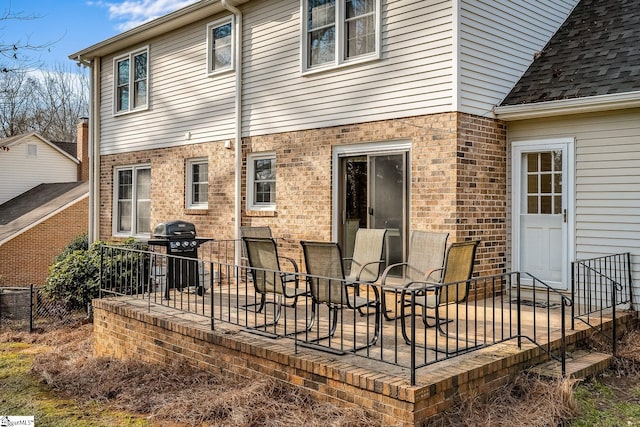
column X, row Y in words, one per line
column 180, row 395
column 528, row 401
column 533, row 401
column 177, row 393
column 627, row 359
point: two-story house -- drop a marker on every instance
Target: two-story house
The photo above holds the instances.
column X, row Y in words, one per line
column 317, row 117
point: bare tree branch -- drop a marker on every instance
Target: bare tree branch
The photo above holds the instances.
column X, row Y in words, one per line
column 47, row 102
column 50, row 103
column 18, row 54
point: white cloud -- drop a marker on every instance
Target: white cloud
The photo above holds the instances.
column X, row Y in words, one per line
column 131, row 13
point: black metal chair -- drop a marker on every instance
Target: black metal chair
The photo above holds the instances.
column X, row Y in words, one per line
column 450, row 286
column 328, row 286
column 364, row 265
column 269, row 279
column 426, row 254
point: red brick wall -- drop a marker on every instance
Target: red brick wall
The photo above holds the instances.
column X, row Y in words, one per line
column 481, row 189
column 26, row 258
column 83, row 149
column 168, row 187
column 458, row 181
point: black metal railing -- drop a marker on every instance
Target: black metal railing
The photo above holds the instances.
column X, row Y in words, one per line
column 547, row 298
column 487, row 315
column 598, row 286
column 346, row 318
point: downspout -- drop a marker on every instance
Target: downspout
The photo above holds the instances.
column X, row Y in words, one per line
column 94, row 150
column 238, row 122
column 93, row 233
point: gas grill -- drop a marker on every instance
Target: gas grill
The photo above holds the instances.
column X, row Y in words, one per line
column 179, row 238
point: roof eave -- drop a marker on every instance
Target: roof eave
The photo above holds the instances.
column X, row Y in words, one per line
column 589, row 104
column 148, row 30
column 23, row 229
column 20, row 138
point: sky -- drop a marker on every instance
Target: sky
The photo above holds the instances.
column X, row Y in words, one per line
column 68, row 26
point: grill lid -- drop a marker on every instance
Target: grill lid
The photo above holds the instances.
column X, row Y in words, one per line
column 174, row 229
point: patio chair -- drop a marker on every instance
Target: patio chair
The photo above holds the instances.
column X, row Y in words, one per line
column 269, row 279
column 442, row 287
column 426, row 253
column 367, row 255
column 263, row 231
column 249, row 231
column 328, row 286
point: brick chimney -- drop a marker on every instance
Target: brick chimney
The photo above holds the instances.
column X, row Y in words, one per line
column 83, row 149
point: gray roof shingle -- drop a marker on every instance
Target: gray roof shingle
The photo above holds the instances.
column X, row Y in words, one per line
column 32, row 206
column 595, row 52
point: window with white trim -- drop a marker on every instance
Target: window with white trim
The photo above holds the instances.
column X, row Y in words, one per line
column 337, row 32
column 197, row 183
column 261, row 181
column 132, row 200
column 131, row 73
column 220, row 46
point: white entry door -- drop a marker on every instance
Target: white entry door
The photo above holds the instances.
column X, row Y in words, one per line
column 542, row 210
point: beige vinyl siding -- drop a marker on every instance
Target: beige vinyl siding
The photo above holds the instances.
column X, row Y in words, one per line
column 412, row 78
column 415, row 75
column 19, row 172
column 182, row 97
column 607, row 181
column 498, row 40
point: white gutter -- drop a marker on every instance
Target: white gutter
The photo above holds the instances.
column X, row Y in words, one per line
column 142, row 33
column 238, row 130
column 588, row 104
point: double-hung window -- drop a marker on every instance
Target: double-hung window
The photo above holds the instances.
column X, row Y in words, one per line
column 197, row 183
column 132, row 200
column 220, row 46
column 131, row 81
column 261, row 181
column 338, row 32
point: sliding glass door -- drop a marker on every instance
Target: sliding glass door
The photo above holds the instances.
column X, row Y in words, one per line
column 373, row 194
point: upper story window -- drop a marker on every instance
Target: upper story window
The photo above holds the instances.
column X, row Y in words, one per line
column 197, row 183
column 132, row 200
column 32, row 150
column 220, row 46
column 131, row 81
column 261, row 181
column 338, row 32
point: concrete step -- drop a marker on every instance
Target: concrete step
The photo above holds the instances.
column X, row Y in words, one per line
column 580, row 364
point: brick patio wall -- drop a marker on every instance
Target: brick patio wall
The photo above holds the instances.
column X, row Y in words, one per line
column 123, row 331
column 457, row 181
column 27, row 257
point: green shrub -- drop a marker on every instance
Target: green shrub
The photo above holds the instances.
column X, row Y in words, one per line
column 126, row 272
column 79, row 243
column 74, row 278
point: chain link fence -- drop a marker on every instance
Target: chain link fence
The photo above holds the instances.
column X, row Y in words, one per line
column 29, row 309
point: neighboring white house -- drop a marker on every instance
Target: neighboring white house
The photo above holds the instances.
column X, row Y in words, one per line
column 29, row 160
